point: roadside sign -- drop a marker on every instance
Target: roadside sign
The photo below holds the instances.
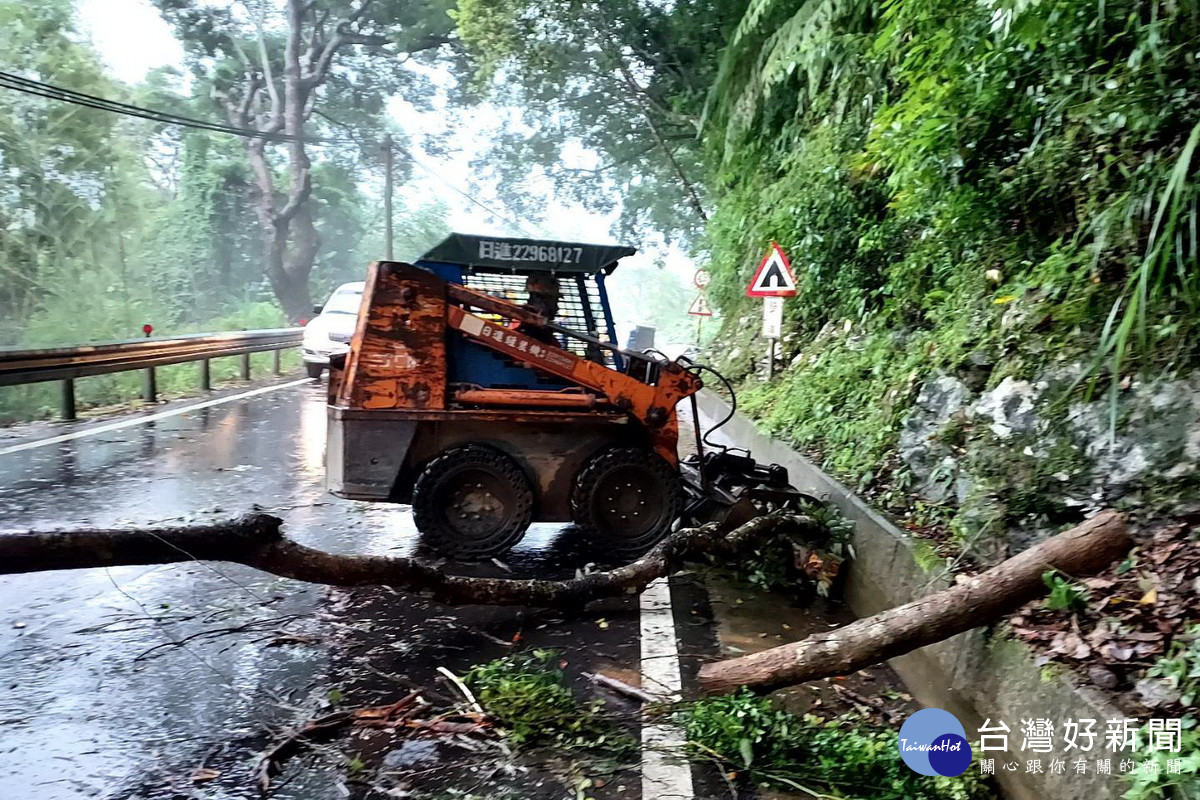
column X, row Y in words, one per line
column 702, row 278
column 700, row 307
column 774, row 277
column 772, row 317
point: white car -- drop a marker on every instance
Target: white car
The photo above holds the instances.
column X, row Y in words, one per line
column 329, row 332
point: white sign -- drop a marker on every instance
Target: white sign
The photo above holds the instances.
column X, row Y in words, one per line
column 700, row 307
column 772, row 317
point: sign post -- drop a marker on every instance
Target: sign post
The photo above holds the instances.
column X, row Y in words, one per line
column 772, row 281
column 700, row 307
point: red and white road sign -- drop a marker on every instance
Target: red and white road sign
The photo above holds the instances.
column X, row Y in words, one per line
column 702, row 278
column 700, row 307
column 774, row 276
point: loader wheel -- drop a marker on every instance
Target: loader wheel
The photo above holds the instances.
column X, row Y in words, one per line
column 472, row 502
column 625, row 500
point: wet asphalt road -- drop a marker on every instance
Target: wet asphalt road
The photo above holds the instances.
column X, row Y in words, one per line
column 120, row 683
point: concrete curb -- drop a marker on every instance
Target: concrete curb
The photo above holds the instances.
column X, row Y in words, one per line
column 975, row 675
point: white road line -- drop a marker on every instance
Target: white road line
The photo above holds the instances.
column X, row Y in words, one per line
column 132, row 421
column 666, row 774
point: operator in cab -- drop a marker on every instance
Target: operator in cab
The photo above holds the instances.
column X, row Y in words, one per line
column 543, row 299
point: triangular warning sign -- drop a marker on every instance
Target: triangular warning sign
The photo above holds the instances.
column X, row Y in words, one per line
column 774, row 277
column 700, row 307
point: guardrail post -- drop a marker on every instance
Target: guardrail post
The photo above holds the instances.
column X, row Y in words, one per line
column 66, row 408
column 149, row 385
column 245, row 366
column 278, row 361
column 205, row 375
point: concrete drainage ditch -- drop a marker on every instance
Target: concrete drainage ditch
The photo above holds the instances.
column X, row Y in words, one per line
column 979, row 675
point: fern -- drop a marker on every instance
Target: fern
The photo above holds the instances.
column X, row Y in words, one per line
column 811, row 46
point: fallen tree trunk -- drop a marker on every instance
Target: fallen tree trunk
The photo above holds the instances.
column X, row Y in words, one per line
column 258, row 541
column 1084, row 550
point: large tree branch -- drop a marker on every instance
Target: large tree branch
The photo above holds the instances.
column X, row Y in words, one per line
column 344, row 34
column 301, row 191
column 295, row 99
column 258, row 541
column 268, row 74
column 317, row 40
column 239, row 112
column 1084, row 550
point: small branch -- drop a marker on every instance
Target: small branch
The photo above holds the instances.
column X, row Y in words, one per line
column 462, row 688
column 620, row 687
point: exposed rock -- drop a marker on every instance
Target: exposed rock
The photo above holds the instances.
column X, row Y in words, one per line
column 1156, row 693
column 975, row 370
column 933, row 462
column 1157, row 435
column 1009, row 408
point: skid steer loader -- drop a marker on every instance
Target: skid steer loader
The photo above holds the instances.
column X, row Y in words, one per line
column 483, row 387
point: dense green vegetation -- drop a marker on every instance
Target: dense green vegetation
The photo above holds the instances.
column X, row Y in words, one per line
column 1012, row 181
column 110, row 222
column 1006, row 183
column 528, row 696
column 844, row 756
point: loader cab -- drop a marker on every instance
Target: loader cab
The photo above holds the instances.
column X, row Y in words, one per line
column 505, row 268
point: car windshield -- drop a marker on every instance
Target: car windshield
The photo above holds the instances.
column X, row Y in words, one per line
column 344, row 302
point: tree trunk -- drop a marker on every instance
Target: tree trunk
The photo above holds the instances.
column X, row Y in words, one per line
column 257, row 541
column 1084, row 550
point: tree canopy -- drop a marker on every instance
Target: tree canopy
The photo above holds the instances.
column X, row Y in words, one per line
column 623, row 81
column 318, row 74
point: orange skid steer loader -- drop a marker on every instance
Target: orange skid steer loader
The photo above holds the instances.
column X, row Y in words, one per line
column 483, row 386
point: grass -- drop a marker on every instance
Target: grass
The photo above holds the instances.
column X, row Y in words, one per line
column 846, row 756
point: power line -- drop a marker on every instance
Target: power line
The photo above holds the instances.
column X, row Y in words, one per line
column 510, row 220
column 49, row 91
column 40, row 89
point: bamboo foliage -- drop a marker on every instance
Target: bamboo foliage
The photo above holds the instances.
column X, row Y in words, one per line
column 810, row 48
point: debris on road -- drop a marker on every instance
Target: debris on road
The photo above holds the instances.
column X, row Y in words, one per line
column 405, row 713
column 1084, row 550
column 257, row 540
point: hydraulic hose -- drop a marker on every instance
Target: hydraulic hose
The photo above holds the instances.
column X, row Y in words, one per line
column 732, row 402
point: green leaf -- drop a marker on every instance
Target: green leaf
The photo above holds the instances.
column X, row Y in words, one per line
column 746, row 748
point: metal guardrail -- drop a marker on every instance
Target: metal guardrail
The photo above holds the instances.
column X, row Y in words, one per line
column 68, row 363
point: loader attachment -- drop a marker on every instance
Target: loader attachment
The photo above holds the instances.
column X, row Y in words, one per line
column 723, row 486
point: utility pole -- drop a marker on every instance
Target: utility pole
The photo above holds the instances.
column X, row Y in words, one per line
column 388, row 187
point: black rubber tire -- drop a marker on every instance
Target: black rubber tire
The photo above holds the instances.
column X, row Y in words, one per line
column 314, row 370
column 440, row 505
column 656, row 487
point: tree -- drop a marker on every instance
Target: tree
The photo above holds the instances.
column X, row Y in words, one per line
column 73, row 189
column 301, row 72
column 627, row 79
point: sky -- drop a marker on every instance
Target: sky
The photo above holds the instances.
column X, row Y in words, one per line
column 132, row 38
column 116, row 25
